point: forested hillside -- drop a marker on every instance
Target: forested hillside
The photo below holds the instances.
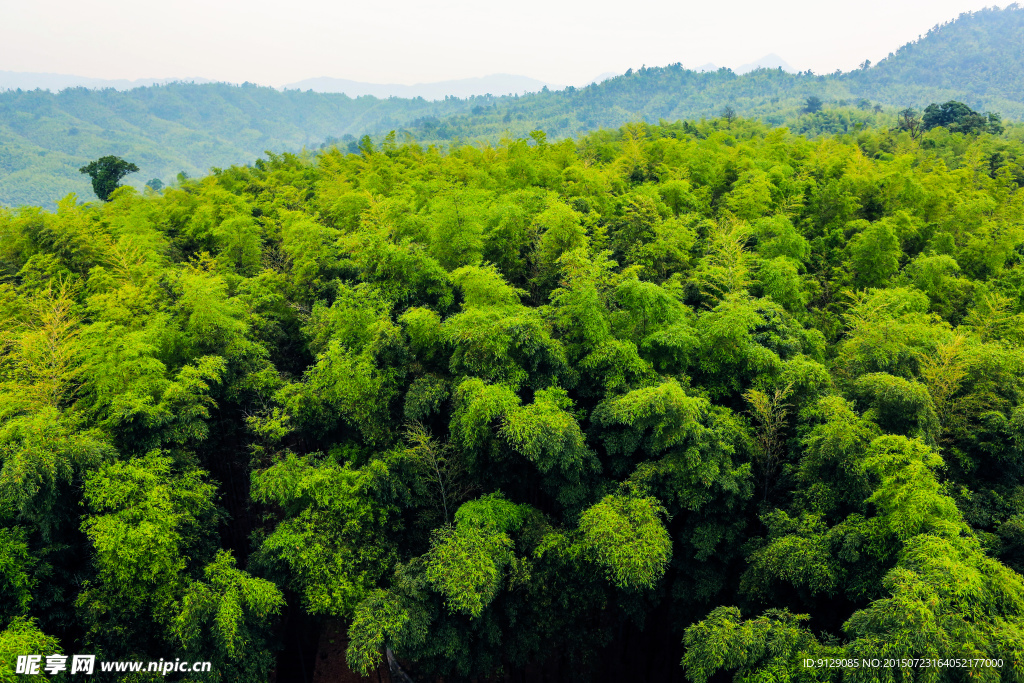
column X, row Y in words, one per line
column 671, row 402
column 167, row 129
column 45, row 138
column 977, row 58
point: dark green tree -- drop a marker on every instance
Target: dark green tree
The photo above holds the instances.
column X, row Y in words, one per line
column 812, row 104
column 909, row 121
column 106, row 173
column 956, row 116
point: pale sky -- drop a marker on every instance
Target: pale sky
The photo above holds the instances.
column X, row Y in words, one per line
column 272, row 42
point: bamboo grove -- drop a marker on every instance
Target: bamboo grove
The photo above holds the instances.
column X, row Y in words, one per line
column 669, row 402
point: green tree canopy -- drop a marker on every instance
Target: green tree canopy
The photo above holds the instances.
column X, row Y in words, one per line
column 695, row 400
column 106, row 174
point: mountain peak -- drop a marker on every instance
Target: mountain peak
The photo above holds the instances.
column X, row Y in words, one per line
column 769, row 61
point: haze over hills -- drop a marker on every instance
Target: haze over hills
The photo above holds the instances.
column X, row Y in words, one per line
column 771, row 61
column 14, row 80
column 494, row 84
column 45, row 137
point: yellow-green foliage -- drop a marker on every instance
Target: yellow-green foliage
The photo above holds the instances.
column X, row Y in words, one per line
column 23, row 637
column 628, row 539
column 499, row 408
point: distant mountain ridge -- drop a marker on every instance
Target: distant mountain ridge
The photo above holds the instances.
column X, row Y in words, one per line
column 494, row 84
column 770, row 61
column 15, row 80
column 45, row 137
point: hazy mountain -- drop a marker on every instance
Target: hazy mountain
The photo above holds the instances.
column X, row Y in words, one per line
column 978, row 59
column 601, row 78
column 495, row 84
column 14, row 80
column 975, row 59
column 772, row 61
column 45, row 137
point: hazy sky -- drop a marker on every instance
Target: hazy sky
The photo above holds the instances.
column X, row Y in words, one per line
column 273, row 42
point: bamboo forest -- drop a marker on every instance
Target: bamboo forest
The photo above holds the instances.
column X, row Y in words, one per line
column 695, row 401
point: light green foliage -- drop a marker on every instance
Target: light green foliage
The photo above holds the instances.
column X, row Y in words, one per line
column 387, row 618
column 889, row 331
column 353, row 321
column 238, row 239
column 767, row 648
column 655, row 418
column 751, row 195
column 426, row 396
column 21, row 637
column 907, row 496
column 780, row 279
column 898, row 405
column 947, row 600
column 424, row 329
column 492, row 511
column 643, row 309
column 798, row 553
column 42, row 454
column 776, row 236
column 227, row 599
column 208, row 315
column 334, row 536
column 831, row 467
column 456, row 228
column 311, row 248
column 479, row 405
column 636, row 227
column 581, row 303
column 537, row 408
column 496, row 337
column 467, row 562
column 349, row 377
column 669, row 251
column 465, row 565
column 550, row 437
column 146, row 517
column 40, row 337
column 485, row 287
column 934, row 275
column 560, row 231
column 875, row 255
column 724, row 271
column 729, row 355
column 628, row 539
column 234, row 608
column 187, row 399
